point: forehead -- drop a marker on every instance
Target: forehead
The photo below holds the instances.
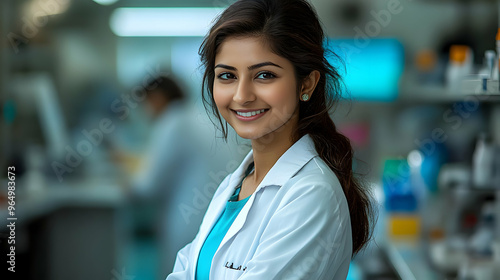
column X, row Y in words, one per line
column 247, row 50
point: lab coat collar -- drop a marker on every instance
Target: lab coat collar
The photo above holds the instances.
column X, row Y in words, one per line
column 300, row 153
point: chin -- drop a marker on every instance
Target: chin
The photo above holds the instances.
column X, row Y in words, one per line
column 250, row 135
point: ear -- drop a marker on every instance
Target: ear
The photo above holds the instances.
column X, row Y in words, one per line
column 308, row 85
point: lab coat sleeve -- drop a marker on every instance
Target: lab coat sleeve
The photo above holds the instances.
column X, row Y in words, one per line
column 182, row 259
column 308, row 237
column 181, row 270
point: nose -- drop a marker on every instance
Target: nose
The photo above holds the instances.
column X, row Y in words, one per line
column 244, row 92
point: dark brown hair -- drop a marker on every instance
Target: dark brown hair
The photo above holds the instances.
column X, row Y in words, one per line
column 165, row 86
column 292, row 30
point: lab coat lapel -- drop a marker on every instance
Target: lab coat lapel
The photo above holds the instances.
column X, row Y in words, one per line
column 219, row 204
column 238, row 222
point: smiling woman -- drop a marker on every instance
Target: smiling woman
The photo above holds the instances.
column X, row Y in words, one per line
column 293, row 209
column 254, row 89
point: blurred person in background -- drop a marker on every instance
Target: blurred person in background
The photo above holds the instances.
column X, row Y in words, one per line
column 173, row 169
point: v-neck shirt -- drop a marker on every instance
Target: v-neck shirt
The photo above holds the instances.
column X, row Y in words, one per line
column 216, row 235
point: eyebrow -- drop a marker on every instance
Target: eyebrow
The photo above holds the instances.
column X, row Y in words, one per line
column 252, row 67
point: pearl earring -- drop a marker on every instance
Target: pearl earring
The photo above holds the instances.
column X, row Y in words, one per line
column 305, row 97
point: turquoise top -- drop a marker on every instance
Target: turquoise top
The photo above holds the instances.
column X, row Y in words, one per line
column 214, row 238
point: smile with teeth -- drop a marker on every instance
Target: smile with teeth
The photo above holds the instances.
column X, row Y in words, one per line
column 249, row 114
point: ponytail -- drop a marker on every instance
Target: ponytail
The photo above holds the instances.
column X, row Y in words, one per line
column 336, row 151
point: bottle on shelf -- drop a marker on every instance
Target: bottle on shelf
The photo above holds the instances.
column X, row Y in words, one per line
column 482, row 162
column 498, row 57
column 487, row 71
column 460, row 65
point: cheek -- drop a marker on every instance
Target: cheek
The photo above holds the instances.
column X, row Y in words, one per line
column 221, row 97
column 283, row 95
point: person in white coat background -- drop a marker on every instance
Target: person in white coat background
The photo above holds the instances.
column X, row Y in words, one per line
column 174, row 168
column 293, row 209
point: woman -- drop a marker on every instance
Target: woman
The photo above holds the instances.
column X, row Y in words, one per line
column 292, row 209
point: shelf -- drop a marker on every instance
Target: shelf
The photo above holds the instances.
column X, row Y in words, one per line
column 470, row 91
column 49, row 196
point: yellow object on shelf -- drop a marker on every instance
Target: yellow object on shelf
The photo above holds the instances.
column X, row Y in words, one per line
column 403, row 225
column 458, row 53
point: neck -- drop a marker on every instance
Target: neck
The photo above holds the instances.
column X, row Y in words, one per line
column 268, row 149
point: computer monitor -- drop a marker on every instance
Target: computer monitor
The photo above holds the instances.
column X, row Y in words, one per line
column 38, row 90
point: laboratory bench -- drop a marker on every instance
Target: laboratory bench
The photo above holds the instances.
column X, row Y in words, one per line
column 66, row 230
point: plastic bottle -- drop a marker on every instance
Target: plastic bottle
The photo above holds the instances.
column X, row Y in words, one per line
column 495, row 74
column 486, row 72
column 498, row 56
column 460, row 64
column 482, row 162
column 489, row 57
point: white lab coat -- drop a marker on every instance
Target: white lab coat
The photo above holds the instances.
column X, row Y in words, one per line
column 296, row 225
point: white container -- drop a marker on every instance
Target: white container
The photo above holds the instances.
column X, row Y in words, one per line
column 498, row 56
column 482, row 163
column 459, row 66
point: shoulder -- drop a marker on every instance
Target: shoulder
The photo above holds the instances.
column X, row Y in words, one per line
column 316, row 172
column 315, row 183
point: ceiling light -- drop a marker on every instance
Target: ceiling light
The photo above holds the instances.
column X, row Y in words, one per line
column 105, row 2
column 162, row 21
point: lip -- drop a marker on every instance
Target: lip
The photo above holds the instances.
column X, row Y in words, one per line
column 248, row 110
column 251, row 118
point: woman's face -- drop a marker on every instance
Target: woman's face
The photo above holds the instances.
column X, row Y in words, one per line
column 255, row 89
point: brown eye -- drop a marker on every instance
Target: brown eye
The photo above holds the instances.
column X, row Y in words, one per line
column 225, row 76
column 265, row 75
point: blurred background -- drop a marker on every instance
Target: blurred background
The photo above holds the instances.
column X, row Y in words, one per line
column 113, row 169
